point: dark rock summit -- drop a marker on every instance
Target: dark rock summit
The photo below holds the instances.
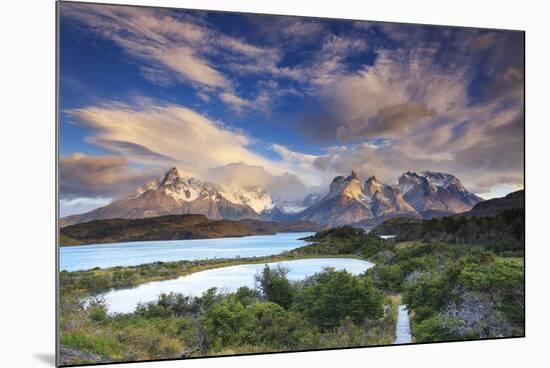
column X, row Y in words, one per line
column 423, row 195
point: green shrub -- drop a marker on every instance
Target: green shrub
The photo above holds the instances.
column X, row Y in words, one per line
column 438, row 328
column 275, row 286
column 332, row 296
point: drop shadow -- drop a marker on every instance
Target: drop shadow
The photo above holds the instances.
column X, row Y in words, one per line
column 47, row 358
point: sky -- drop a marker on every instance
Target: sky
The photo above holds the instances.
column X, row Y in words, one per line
column 286, row 103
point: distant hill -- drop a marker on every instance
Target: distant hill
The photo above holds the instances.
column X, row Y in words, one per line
column 499, row 224
column 173, row 227
column 495, row 206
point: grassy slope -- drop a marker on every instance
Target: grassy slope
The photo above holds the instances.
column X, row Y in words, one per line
column 66, row 240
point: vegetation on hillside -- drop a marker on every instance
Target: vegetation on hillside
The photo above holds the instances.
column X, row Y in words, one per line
column 454, row 291
column 64, row 239
column 504, row 232
column 173, row 227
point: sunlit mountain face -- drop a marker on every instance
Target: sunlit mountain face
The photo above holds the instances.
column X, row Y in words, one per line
column 347, row 201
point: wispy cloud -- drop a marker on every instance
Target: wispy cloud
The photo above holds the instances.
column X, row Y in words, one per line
column 162, row 134
column 419, row 100
column 236, row 103
column 172, row 49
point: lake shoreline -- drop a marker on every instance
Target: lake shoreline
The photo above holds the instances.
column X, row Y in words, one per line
column 185, row 268
column 129, row 242
column 225, row 279
column 87, row 257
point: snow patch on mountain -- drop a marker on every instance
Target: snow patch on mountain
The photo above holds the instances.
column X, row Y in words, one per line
column 292, row 208
column 253, row 196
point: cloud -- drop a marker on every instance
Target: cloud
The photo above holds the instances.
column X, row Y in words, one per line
column 291, row 33
column 389, row 121
column 237, row 103
column 191, row 67
column 304, row 29
column 431, row 110
column 169, row 46
column 482, row 160
column 385, row 98
column 172, row 48
column 399, row 92
column 292, row 156
column 281, row 187
column 75, row 206
column 168, row 134
column 85, row 179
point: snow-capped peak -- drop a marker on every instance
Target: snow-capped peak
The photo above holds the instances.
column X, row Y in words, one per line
column 253, row 196
column 290, row 207
column 187, row 189
column 442, row 180
column 150, row 185
column 435, row 180
column 181, row 188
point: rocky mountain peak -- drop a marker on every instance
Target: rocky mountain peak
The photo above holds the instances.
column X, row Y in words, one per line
column 372, row 186
column 350, row 186
column 432, row 192
column 426, row 194
column 441, row 179
column 171, row 176
column 150, row 185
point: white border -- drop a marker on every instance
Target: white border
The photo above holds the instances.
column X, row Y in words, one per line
column 27, row 204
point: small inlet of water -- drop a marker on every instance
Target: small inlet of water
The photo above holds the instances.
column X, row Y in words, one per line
column 226, row 279
column 403, row 328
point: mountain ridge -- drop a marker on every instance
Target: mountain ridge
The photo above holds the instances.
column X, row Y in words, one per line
column 424, row 195
column 348, row 201
column 177, row 194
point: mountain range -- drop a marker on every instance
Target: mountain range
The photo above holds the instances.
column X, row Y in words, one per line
column 348, row 201
column 177, row 194
column 425, row 195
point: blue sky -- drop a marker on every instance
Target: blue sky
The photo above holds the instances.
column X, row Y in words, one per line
column 282, row 102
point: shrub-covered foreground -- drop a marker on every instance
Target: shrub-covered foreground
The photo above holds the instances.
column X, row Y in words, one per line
column 330, row 309
column 454, row 291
